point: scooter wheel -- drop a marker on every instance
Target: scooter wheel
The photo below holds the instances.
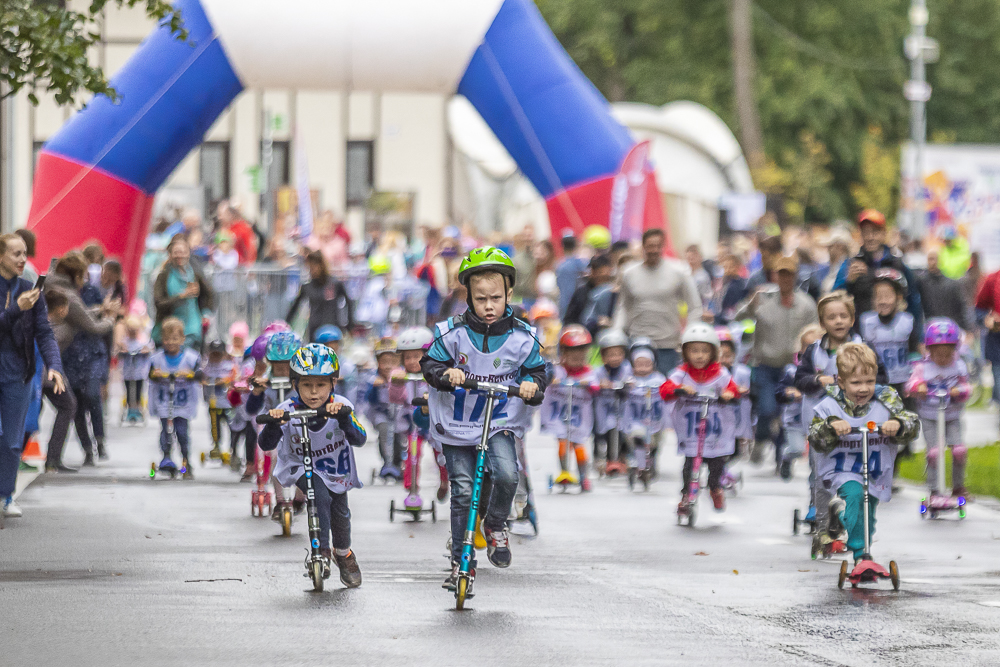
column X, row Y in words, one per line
column 202, row 457
column 392, row 511
column 286, row 521
column 843, row 575
column 316, row 574
column 552, row 483
column 434, row 513
column 460, row 593
column 795, row 522
column 225, row 458
column 893, row 574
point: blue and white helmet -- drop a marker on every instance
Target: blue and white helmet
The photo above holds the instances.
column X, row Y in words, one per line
column 282, row 346
column 315, row 360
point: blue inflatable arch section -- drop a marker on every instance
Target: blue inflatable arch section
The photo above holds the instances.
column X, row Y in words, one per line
column 97, row 176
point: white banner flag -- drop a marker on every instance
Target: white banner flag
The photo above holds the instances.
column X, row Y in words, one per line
column 305, row 218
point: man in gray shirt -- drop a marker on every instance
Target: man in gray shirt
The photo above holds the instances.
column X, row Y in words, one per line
column 649, row 302
column 781, row 313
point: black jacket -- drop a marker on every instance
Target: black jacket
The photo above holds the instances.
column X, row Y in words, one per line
column 328, row 304
column 862, row 288
column 28, row 327
column 807, row 376
column 942, row 296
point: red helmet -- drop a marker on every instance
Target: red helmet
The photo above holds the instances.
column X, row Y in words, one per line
column 872, row 216
column 575, row 336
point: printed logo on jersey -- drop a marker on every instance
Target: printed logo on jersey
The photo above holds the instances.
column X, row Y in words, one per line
column 496, row 363
column 462, row 358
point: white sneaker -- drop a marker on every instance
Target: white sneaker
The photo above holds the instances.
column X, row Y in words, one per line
column 11, row 509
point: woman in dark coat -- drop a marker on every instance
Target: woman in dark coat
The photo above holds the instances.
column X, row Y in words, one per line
column 24, row 323
column 85, row 358
column 328, row 300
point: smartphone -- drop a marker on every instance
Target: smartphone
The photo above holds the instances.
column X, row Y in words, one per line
column 41, row 282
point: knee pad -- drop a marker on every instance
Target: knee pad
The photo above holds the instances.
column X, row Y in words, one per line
column 562, row 448
column 959, row 452
column 932, row 455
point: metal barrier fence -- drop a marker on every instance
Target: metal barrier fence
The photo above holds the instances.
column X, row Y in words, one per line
column 260, row 294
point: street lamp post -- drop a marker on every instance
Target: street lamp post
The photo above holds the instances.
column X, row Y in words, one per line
column 920, row 50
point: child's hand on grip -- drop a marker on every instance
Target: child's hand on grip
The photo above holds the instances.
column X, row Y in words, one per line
column 826, row 380
column 334, row 408
column 455, row 377
column 528, row 390
column 840, row 427
column 727, row 395
column 277, row 413
column 955, row 392
column 890, row 428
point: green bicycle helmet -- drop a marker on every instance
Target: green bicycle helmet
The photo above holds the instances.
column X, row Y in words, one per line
column 483, row 259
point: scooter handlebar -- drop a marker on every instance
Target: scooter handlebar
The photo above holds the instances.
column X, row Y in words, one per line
column 490, row 387
column 419, row 402
column 266, row 418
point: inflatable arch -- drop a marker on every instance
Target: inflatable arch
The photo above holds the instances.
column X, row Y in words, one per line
column 97, row 176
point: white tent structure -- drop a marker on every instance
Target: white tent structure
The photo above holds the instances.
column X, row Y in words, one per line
column 696, row 156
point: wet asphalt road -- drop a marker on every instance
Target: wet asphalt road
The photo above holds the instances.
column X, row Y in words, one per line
column 110, row 568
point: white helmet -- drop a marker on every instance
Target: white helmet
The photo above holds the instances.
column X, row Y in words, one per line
column 414, row 338
column 700, row 332
column 612, row 338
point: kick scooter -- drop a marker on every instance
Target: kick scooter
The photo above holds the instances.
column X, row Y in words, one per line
column 215, row 425
column 642, row 470
column 688, row 512
column 614, row 466
column 166, row 466
column 413, row 504
column 867, row 570
column 317, row 568
column 940, row 501
column 131, row 416
column 467, row 563
column 565, row 478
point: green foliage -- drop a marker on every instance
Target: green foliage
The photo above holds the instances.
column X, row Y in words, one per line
column 879, row 184
column 827, row 69
column 44, row 47
column 981, row 478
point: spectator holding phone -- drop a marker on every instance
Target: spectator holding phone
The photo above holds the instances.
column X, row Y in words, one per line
column 181, row 291
column 23, row 324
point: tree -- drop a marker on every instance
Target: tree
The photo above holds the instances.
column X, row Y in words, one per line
column 44, row 46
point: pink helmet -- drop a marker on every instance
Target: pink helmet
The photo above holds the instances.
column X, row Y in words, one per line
column 239, row 330
column 942, row 331
column 259, row 348
column 138, row 308
column 275, row 327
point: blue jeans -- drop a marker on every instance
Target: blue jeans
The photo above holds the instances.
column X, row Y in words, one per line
column 501, row 465
column 180, row 430
column 764, row 381
column 14, row 400
column 666, row 360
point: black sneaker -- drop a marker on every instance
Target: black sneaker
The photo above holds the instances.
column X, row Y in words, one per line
column 836, row 528
column 102, row 453
column 786, row 470
column 498, row 546
column 350, row 573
